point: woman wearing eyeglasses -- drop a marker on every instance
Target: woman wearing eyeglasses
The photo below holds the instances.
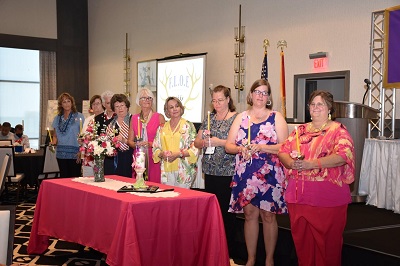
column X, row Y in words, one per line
column 258, row 184
column 121, row 164
column 218, row 166
column 147, row 122
column 319, row 162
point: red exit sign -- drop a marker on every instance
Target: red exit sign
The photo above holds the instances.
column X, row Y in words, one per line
column 320, row 63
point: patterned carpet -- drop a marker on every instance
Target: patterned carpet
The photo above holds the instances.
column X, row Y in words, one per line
column 59, row 252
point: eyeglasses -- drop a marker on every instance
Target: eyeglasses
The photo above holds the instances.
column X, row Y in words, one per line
column 146, row 98
column 119, row 106
column 313, row 105
column 263, row 93
column 219, row 101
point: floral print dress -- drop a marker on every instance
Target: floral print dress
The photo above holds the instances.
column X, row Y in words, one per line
column 261, row 180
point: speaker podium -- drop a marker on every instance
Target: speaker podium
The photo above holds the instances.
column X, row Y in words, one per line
column 355, row 117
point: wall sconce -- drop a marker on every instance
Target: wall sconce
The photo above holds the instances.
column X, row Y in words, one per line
column 239, row 60
column 127, row 68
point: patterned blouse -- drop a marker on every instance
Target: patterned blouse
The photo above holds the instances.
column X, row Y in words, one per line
column 181, row 139
column 220, row 163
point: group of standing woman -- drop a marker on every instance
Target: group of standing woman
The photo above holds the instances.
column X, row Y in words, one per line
column 250, row 161
column 260, row 170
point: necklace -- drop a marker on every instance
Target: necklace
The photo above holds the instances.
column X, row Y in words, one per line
column 219, row 123
column 311, row 128
column 63, row 125
column 143, row 118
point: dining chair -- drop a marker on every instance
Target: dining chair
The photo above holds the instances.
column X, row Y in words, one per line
column 7, row 224
column 13, row 179
column 5, row 167
column 50, row 167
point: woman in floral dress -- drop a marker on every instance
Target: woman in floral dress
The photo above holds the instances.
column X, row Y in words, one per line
column 259, row 182
column 174, row 147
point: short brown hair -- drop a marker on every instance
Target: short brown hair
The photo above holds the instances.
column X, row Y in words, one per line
column 326, row 96
column 119, row 98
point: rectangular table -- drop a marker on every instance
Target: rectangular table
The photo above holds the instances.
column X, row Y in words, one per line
column 380, row 173
column 130, row 229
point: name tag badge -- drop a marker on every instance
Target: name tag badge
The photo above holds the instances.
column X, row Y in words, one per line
column 210, row 150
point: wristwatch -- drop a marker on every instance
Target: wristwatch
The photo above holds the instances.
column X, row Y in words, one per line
column 181, row 155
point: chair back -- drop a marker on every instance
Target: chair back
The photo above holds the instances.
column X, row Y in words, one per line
column 8, row 150
column 7, row 224
column 5, row 166
column 50, row 164
column 5, row 142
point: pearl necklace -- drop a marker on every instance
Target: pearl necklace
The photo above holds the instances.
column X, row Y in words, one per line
column 311, row 128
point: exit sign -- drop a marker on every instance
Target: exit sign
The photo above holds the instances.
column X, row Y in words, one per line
column 320, row 63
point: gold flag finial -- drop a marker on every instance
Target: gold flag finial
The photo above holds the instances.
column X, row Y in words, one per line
column 281, row 43
column 265, row 44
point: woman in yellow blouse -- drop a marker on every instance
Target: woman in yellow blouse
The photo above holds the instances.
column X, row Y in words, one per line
column 174, row 147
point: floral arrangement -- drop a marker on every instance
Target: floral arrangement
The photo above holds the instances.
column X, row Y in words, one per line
column 95, row 145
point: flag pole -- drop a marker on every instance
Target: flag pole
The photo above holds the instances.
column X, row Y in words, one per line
column 281, row 44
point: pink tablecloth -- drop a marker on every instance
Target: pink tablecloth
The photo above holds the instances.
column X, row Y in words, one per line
column 131, row 230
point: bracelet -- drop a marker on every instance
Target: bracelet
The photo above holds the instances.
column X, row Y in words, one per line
column 239, row 149
column 319, row 164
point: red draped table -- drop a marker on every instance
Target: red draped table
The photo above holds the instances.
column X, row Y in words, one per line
column 131, row 229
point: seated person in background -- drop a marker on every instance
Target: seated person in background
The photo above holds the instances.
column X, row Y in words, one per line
column 20, row 137
column 5, row 132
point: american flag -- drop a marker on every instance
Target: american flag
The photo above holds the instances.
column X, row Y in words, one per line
column 264, row 69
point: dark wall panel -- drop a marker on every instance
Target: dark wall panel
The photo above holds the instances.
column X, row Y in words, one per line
column 72, row 49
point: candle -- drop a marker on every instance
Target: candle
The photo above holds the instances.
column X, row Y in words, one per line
column 248, row 133
column 48, row 130
column 297, row 140
column 208, row 121
column 80, row 124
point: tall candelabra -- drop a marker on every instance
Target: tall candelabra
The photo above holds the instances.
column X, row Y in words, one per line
column 239, row 61
column 127, row 68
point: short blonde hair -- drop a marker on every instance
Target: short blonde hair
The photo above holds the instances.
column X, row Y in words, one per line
column 142, row 92
column 166, row 106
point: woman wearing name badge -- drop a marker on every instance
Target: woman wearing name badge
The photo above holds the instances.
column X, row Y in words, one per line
column 67, row 125
column 174, row 147
column 143, row 129
column 218, row 166
column 97, row 108
column 259, row 182
column 319, row 161
column 121, row 164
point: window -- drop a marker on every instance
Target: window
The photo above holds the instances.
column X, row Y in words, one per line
column 20, row 91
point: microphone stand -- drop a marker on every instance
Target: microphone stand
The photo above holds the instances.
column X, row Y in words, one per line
column 368, row 87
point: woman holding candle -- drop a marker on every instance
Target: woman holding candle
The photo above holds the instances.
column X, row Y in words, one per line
column 143, row 129
column 174, row 147
column 258, row 184
column 66, row 126
column 319, row 169
column 121, row 164
column 218, row 166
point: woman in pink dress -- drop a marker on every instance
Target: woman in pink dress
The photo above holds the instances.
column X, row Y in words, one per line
column 143, row 129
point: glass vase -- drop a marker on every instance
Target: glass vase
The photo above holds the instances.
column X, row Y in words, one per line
column 98, row 169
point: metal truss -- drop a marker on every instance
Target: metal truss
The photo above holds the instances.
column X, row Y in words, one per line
column 380, row 98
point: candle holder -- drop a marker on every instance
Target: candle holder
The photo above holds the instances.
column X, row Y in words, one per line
column 239, row 53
